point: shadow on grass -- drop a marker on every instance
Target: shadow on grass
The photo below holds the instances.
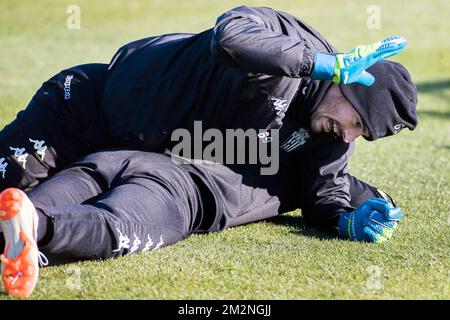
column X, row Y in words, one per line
column 435, row 114
column 433, row 86
column 438, row 89
column 300, row 228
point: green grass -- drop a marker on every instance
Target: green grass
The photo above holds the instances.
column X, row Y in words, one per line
column 281, row 258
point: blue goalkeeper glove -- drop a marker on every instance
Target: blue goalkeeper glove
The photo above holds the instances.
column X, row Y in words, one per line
column 349, row 67
column 373, row 221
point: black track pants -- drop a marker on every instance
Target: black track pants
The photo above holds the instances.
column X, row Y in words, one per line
column 114, row 203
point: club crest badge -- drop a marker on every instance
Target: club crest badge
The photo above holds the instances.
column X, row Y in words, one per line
column 295, row 140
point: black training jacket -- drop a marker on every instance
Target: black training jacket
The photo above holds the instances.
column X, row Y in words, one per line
column 249, row 71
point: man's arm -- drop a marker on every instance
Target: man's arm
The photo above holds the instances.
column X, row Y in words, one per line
column 325, row 183
column 253, row 40
column 361, row 191
column 338, row 202
column 263, row 40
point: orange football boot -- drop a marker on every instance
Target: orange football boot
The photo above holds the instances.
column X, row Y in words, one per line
column 20, row 261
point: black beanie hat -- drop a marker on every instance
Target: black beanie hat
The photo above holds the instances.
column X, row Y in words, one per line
column 387, row 106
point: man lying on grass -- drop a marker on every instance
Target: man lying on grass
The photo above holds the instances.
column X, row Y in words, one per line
column 94, row 144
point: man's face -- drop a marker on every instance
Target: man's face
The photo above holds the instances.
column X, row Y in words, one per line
column 337, row 116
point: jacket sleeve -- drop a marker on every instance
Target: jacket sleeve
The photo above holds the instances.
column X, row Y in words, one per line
column 253, row 40
column 326, row 185
column 331, row 190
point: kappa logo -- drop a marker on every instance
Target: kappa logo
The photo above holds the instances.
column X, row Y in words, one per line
column 67, row 83
column 280, row 105
column 148, row 244
column 124, row 241
column 40, row 147
column 136, row 243
column 296, row 140
column 159, row 244
column 21, row 155
column 3, row 166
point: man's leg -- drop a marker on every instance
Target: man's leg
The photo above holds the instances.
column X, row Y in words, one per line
column 59, row 125
column 114, row 203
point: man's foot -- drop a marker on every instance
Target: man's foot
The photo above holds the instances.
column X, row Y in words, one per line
column 18, row 220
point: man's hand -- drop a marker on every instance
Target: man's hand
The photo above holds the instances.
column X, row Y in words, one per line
column 350, row 67
column 374, row 221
